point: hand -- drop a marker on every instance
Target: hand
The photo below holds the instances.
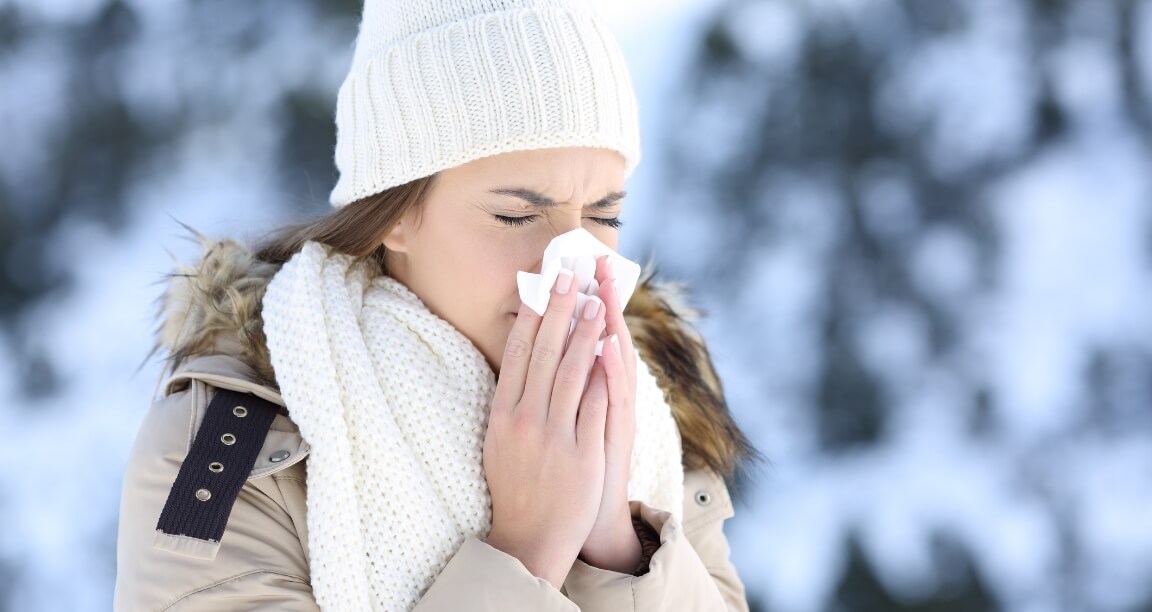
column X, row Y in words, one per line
column 544, row 449
column 612, row 544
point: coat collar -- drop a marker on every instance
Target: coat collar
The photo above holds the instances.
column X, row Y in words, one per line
column 213, row 307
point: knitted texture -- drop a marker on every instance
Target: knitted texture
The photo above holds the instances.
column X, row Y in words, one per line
column 438, row 83
column 394, row 401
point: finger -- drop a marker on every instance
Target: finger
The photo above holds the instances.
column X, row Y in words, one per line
column 620, row 401
column 517, row 353
column 593, row 409
column 614, row 317
column 573, row 373
column 548, row 345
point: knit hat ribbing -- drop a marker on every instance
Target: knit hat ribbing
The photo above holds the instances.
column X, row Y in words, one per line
column 438, row 83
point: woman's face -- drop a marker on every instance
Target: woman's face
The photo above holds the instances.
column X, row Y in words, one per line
column 486, row 220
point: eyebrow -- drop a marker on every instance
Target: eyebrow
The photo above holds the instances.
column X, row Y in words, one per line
column 542, row 201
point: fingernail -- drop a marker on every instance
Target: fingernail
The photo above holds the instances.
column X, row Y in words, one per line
column 615, row 344
column 563, row 281
column 592, row 307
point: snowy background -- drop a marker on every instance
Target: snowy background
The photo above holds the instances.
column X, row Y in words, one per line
column 922, row 233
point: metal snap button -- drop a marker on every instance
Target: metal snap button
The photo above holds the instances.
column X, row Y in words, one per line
column 203, row 494
column 216, row 466
column 240, row 411
column 279, row 456
column 228, row 439
column 703, row 498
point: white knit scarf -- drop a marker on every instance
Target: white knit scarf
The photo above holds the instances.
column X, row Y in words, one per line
column 394, row 402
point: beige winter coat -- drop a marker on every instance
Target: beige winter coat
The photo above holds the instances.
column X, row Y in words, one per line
column 211, row 331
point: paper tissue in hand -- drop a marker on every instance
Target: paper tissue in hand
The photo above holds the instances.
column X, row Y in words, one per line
column 577, row 250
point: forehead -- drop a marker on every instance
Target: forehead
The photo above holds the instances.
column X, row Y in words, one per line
column 562, row 174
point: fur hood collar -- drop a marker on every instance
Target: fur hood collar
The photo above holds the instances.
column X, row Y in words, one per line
column 213, row 306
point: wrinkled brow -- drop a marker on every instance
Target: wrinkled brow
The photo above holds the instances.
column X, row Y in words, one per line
column 542, row 201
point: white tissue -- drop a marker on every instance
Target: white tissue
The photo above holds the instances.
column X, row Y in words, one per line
column 577, row 250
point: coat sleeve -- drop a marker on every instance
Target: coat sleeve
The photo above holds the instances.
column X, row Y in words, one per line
column 691, row 571
column 482, row 578
column 260, row 564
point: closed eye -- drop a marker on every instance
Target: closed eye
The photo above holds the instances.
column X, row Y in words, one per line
column 613, row 222
column 515, row 220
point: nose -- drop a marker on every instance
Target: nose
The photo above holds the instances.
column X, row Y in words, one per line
column 560, row 221
column 565, row 222
column 557, row 224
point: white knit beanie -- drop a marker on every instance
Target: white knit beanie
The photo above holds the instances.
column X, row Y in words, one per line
column 438, row 83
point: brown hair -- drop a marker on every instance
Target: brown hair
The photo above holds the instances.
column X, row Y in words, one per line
column 357, row 229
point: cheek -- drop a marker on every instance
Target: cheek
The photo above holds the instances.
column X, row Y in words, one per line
column 491, row 271
column 608, row 236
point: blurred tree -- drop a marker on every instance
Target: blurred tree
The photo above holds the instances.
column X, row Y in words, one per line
column 962, row 590
column 867, row 137
column 82, row 161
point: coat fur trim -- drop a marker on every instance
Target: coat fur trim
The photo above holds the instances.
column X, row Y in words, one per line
column 214, row 306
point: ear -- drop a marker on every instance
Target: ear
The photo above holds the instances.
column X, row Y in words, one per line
column 396, row 238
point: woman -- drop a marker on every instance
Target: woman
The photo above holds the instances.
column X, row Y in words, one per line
column 361, row 414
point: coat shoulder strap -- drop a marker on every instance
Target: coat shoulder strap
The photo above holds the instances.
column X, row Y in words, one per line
column 210, row 478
